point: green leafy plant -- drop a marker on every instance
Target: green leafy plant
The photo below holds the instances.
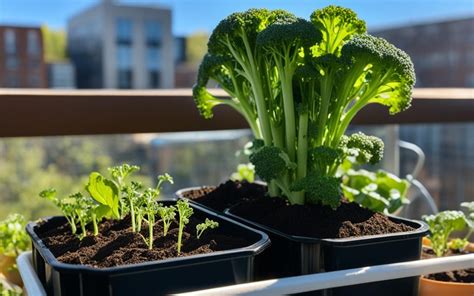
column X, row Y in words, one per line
column 13, row 237
column 184, row 212
column 379, row 191
column 6, row 290
column 441, row 226
column 299, row 84
column 244, row 172
column 208, row 224
column 105, row 192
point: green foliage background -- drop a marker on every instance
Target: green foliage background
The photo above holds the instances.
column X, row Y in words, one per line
column 29, row 165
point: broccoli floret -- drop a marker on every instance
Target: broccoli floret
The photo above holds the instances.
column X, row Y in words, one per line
column 268, row 162
column 323, row 190
column 368, row 149
column 337, row 25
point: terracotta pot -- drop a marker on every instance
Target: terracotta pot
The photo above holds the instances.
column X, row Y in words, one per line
column 9, row 272
column 438, row 288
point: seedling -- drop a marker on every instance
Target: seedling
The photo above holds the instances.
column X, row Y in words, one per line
column 149, row 206
column 67, row 206
column 13, row 237
column 244, row 172
column 184, row 212
column 441, row 226
column 167, row 215
column 119, row 175
column 299, row 84
column 208, row 224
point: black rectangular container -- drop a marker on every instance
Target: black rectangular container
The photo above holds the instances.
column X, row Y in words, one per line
column 156, row 277
column 295, row 255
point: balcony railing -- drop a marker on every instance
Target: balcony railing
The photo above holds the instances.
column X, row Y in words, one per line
column 38, row 112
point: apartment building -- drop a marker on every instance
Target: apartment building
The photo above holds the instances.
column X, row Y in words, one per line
column 122, row 46
column 21, row 58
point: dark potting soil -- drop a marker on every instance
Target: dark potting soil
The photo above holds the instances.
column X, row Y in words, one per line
column 117, row 245
column 457, row 276
column 226, row 194
column 348, row 220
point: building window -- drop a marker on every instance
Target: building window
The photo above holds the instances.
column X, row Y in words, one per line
column 154, row 79
column 153, row 64
column 153, row 33
column 34, row 80
column 153, row 58
column 123, row 29
column 124, row 78
column 10, row 41
column 124, row 66
column 11, row 62
column 33, row 45
column 12, row 81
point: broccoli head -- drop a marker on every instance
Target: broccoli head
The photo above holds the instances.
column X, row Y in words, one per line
column 337, row 25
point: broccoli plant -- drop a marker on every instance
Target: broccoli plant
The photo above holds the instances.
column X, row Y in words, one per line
column 441, row 226
column 299, row 84
column 13, row 237
column 208, row 224
column 184, row 212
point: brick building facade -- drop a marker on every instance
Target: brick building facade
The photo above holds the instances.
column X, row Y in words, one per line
column 21, row 58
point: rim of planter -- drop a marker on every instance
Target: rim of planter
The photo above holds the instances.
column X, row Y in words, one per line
column 456, row 284
column 253, row 249
column 421, row 230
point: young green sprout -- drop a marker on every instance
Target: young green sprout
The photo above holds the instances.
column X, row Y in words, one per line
column 208, row 224
column 441, row 226
column 119, row 175
column 244, row 172
column 167, row 215
column 67, row 206
column 184, row 212
column 150, row 207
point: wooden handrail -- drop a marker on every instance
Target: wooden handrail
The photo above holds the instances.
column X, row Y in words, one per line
column 40, row 112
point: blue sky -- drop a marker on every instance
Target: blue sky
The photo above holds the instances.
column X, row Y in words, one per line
column 195, row 15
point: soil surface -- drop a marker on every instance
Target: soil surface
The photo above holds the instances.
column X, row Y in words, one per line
column 117, row 245
column 304, row 220
column 457, row 276
column 226, row 194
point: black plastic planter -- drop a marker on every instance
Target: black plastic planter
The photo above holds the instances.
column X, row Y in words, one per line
column 152, row 278
column 295, row 255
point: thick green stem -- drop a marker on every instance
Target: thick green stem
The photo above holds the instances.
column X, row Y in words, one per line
column 73, row 225
column 132, row 214
column 94, row 223
column 151, row 222
column 289, row 111
column 180, row 235
column 302, row 157
column 139, row 222
column 326, row 90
